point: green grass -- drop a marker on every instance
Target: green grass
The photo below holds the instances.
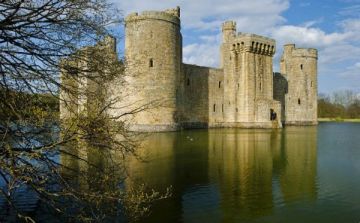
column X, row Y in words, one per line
column 338, row 119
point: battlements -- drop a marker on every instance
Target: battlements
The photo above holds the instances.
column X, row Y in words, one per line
column 229, row 25
column 253, row 43
column 290, row 49
column 169, row 15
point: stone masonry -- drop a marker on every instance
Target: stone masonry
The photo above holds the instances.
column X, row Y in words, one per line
column 244, row 92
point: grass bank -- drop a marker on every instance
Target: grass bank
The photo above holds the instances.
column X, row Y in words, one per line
column 339, row 119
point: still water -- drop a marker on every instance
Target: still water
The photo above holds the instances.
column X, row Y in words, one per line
column 297, row 174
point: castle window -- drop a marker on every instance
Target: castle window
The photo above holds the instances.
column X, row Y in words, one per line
column 219, row 84
column 260, row 86
column 238, row 85
column 311, row 84
column 237, row 109
column 214, row 108
column 299, row 101
column 151, row 63
column 301, row 66
column 188, row 82
column 222, row 107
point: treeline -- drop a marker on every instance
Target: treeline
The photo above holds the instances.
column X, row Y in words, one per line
column 339, row 105
column 33, row 106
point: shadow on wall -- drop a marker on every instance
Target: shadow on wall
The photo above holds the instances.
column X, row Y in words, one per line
column 280, row 90
column 195, row 109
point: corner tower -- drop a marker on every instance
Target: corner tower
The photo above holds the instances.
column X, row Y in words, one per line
column 153, row 52
column 299, row 67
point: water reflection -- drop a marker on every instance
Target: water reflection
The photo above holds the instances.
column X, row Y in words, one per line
column 302, row 174
column 228, row 174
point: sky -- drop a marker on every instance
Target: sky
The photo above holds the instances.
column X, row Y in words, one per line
column 331, row 26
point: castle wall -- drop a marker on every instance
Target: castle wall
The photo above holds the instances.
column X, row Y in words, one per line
column 299, row 67
column 160, row 93
column 202, row 97
column 84, row 79
column 153, row 52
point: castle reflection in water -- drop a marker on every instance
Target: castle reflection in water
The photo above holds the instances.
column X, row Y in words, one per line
column 225, row 175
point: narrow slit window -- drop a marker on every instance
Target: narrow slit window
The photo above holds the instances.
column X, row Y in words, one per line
column 299, row 101
column 151, row 63
column 214, row 108
column 188, row 82
column 301, row 66
column 222, row 107
column 219, row 84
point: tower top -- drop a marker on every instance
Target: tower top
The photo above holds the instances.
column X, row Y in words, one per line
column 169, row 15
column 229, row 25
column 292, row 50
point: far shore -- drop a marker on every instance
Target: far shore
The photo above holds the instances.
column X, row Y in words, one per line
column 339, row 119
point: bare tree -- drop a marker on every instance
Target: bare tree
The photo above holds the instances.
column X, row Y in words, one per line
column 38, row 40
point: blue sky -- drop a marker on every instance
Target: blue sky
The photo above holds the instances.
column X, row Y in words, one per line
column 331, row 26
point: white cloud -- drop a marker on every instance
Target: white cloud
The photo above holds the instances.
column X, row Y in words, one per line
column 352, row 71
column 307, row 36
column 353, row 10
column 209, row 14
column 202, row 54
column 339, row 53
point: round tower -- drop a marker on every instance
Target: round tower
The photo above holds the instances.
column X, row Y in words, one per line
column 301, row 73
column 153, row 52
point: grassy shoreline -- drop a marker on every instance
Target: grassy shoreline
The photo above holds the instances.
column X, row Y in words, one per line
column 338, row 120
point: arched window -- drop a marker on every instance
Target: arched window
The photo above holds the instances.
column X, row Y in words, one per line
column 151, row 62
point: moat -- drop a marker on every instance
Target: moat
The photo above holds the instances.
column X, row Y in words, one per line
column 295, row 174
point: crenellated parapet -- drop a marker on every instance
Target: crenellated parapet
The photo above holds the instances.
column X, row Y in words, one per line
column 228, row 30
column 170, row 15
column 229, row 25
column 305, row 52
column 245, row 42
column 291, row 50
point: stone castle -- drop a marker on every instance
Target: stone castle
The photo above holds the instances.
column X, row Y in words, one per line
column 244, row 92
